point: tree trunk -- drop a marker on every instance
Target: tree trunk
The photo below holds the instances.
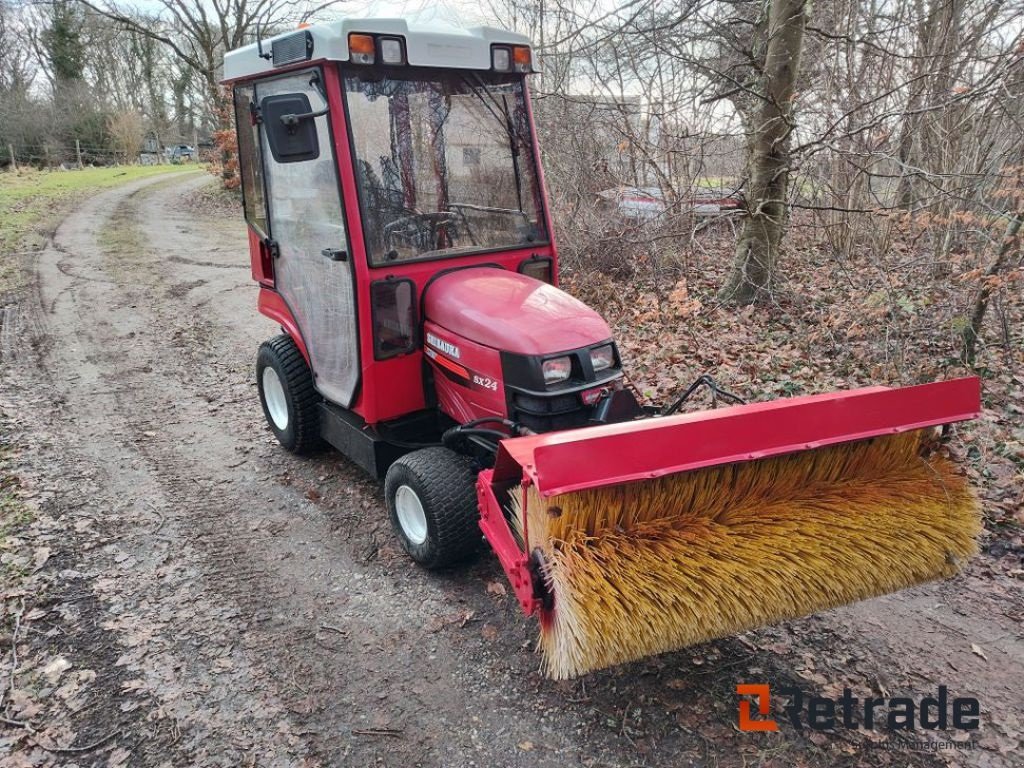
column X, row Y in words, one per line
column 753, row 273
column 971, row 332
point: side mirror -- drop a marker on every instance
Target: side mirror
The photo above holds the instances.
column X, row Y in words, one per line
column 291, row 127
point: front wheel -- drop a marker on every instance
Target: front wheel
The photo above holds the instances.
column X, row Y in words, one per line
column 431, row 499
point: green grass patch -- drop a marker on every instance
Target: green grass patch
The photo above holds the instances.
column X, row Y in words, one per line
column 32, row 202
column 715, row 182
column 120, row 238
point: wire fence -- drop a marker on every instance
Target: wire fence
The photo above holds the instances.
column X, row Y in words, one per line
column 80, row 154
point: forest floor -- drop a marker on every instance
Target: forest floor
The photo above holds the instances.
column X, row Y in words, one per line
column 178, row 591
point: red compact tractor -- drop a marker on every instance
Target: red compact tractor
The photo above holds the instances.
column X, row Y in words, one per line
column 400, row 236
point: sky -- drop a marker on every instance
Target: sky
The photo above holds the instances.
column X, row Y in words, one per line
column 459, row 13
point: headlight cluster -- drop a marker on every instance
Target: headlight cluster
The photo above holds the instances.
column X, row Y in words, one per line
column 559, row 369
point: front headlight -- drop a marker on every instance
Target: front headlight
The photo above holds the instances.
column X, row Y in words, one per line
column 556, row 369
column 602, row 358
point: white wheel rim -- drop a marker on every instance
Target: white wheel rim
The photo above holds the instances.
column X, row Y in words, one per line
column 412, row 518
column 273, row 396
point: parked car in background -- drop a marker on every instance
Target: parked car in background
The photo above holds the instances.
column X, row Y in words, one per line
column 633, row 203
column 638, row 204
column 181, row 153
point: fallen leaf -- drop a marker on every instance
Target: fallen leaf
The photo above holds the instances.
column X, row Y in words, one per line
column 56, row 668
column 976, row 650
column 526, row 746
column 496, row 588
column 40, row 556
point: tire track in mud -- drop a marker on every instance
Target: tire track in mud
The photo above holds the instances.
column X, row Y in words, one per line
column 21, row 328
column 99, row 367
column 208, row 527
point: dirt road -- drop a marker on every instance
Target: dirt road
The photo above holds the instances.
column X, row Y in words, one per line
column 212, row 600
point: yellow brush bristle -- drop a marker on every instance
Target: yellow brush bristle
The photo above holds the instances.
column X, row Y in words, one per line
column 647, row 567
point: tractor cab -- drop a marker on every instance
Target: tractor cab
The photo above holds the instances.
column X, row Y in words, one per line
column 399, row 234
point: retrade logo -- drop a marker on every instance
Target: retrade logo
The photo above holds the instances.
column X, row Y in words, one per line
column 930, row 713
column 763, row 694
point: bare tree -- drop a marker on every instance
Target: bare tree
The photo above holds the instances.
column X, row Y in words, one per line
column 126, row 133
column 757, row 251
column 200, row 32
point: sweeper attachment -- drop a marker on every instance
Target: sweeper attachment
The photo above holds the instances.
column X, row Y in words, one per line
column 635, row 539
column 400, row 236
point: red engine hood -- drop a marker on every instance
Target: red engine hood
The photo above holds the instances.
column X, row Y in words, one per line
column 512, row 312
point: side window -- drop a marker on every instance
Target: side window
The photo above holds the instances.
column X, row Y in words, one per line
column 249, row 164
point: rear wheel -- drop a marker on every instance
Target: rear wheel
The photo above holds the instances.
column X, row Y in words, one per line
column 431, row 498
column 290, row 402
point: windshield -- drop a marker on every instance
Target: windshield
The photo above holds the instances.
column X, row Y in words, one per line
column 444, row 164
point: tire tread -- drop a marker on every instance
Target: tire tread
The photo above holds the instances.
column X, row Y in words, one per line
column 447, row 487
column 284, row 355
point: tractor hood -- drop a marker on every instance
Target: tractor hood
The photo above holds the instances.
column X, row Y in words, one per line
column 511, row 312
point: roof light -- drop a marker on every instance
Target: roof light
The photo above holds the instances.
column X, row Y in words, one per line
column 361, row 49
column 521, row 58
column 391, row 50
column 501, row 58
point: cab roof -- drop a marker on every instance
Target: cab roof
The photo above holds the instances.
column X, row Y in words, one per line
column 427, row 44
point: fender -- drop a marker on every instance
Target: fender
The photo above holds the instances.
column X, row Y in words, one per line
column 273, row 306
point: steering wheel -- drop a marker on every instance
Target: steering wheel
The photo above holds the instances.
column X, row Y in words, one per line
column 423, row 229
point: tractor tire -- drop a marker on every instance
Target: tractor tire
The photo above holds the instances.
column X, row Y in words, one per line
column 290, row 403
column 431, row 499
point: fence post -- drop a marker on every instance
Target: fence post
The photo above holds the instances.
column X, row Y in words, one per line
column 14, row 163
column 78, row 152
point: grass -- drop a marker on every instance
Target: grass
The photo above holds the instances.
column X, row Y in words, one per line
column 31, row 204
column 120, row 238
column 715, row 182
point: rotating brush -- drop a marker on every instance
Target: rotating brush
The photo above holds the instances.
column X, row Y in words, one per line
column 647, row 567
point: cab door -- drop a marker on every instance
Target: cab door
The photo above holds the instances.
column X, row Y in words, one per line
column 313, row 267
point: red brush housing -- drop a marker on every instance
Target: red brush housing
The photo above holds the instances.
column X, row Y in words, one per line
column 594, row 457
